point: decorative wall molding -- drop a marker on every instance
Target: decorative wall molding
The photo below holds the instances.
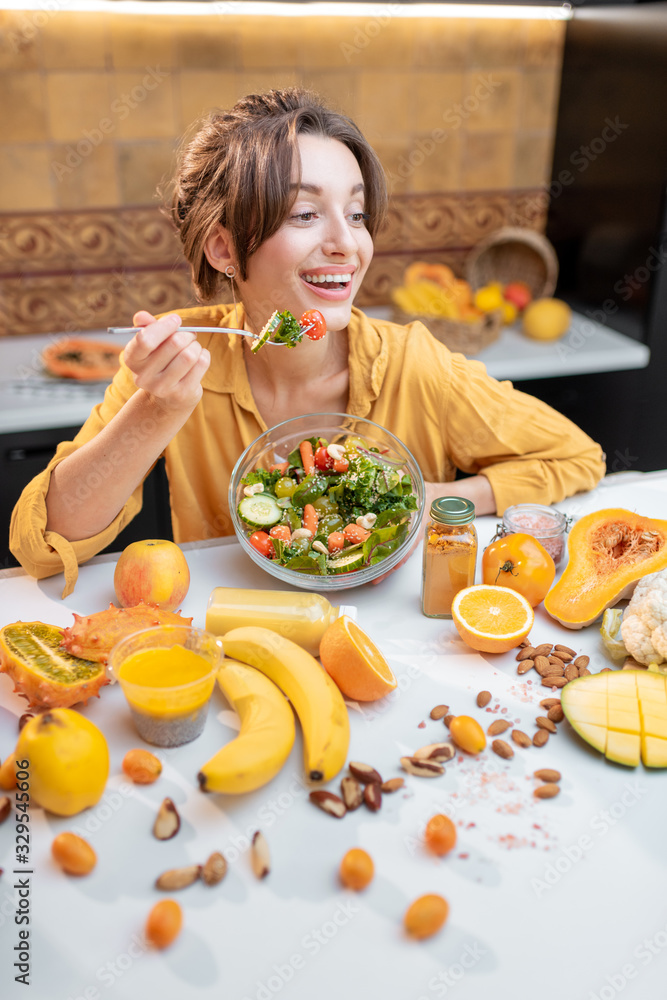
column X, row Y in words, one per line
column 85, row 270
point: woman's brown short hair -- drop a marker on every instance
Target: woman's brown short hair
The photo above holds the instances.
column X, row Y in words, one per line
column 236, row 171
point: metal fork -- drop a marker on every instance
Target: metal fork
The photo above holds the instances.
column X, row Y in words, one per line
column 204, row 329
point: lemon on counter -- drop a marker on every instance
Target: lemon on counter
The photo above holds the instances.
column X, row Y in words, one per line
column 546, row 319
column 68, row 761
column 489, row 297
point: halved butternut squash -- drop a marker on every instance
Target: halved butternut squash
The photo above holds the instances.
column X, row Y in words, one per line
column 609, row 551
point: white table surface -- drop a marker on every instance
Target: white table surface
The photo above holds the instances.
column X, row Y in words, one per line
column 551, row 899
column 31, row 401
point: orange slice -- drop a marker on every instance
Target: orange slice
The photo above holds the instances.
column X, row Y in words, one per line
column 492, row 619
column 354, row 662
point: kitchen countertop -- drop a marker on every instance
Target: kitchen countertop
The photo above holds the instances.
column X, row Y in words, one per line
column 550, row 899
column 31, row 401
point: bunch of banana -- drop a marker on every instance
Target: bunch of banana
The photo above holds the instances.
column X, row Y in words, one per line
column 433, row 290
column 315, row 699
column 265, row 739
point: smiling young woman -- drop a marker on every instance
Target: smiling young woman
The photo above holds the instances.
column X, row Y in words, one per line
column 283, row 196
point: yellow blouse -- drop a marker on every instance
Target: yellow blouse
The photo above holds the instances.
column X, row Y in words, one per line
column 446, row 409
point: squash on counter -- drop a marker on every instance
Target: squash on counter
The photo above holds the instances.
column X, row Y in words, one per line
column 609, row 551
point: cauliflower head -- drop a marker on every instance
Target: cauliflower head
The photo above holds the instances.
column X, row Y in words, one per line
column 644, row 626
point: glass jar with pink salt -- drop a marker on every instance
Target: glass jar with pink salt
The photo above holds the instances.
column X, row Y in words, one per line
column 546, row 524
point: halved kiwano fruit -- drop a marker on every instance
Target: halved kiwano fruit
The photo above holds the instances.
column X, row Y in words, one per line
column 45, row 674
column 86, row 360
column 623, row 714
column 94, row 636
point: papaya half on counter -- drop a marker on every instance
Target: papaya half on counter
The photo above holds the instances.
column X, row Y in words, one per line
column 623, row 714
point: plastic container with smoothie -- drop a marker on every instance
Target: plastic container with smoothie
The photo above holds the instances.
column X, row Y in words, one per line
column 167, row 675
column 300, row 615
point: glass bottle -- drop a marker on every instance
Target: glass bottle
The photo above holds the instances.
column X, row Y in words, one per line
column 450, row 554
column 547, row 524
column 300, row 616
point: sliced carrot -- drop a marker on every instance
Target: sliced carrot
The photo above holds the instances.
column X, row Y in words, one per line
column 336, row 541
column 341, row 465
column 281, row 531
column 310, row 518
column 279, row 467
column 355, row 533
column 306, row 452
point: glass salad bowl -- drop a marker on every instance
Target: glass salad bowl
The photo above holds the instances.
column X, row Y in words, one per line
column 365, row 488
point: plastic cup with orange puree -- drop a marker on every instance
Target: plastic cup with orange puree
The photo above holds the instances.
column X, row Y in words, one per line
column 167, row 675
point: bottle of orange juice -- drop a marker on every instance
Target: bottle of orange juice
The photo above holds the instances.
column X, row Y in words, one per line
column 302, row 617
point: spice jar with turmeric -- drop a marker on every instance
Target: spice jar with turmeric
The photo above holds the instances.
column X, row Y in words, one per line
column 450, row 553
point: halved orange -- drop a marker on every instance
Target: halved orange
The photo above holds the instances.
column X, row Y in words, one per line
column 492, row 619
column 354, row 662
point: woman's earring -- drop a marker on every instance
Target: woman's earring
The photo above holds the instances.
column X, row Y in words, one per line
column 230, row 272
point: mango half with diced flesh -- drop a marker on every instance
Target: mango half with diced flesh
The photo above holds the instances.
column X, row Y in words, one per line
column 623, row 714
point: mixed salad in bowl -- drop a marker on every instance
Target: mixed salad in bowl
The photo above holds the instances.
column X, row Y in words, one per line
column 337, row 504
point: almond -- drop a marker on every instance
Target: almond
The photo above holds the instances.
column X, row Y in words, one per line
column 556, row 713
column 582, row 661
column 373, row 796
column 571, row 672
column 543, row 649
column 543, row 722
column 167, row 822
column 525, row 653
column 547, row 774
column 554, row 680
column 259, row 855
column 522, row 739
column 364, row 773
column 392, row 785
column 562, row 655
column 498, row 727
column 564, row 649
column 525, row 666
column 439, row 712
column 543, row 666
column 540, row 738
column 546, row 791
column 352, row 792
column 421, row 768
column 178, row 878
column 328, row 803
column 5, row 808
column 440, row 752
column 502, row 748
column 549, row 702
column 447, row 719
column 585, row 672
column 214, row 870
column 483, row 699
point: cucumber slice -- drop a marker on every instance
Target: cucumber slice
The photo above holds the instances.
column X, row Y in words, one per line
column 260, row 510
column 274, row 322
column 346, row 562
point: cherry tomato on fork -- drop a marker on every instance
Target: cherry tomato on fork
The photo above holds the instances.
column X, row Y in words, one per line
column 319, row 326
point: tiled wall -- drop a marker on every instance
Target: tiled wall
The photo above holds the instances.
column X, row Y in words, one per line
column 461, row 113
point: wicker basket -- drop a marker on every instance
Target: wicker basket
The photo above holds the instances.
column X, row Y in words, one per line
column 458, row 336
column 514, row 254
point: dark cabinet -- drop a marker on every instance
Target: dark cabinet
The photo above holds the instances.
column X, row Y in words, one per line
column 24, row 454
